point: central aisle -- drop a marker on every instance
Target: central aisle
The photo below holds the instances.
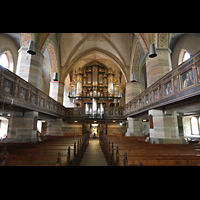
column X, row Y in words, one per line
column 93, row 155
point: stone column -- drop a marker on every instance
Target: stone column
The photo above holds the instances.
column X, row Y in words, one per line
column 165, row 124
column 54, row 127
column 23, row 127
column 134, row 127
column 29, row 67
column 134, row 124
column 56, row 91
column 132, row 90
column 159, row 66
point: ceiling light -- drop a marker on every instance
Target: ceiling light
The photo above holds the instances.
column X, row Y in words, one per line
column 152, row 51
column 31, row 49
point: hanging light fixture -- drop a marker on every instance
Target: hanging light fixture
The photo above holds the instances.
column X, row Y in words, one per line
column 152, row 51
column 133, row 79
column 31, row 49
column 55, row 76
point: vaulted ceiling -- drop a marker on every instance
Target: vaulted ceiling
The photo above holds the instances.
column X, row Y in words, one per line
column 111, row 49
column 120, row 51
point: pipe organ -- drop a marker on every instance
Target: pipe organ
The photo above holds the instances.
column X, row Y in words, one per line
column 95, row 86
column 95, row 81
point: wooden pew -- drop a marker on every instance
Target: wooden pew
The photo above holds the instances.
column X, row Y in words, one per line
column 4, row 155
column 54, row 151
column 134, row 151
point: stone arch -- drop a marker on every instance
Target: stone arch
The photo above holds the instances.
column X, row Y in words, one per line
column 90, row 51
column 43, row 41
column 161, row 40
column 136, row 60
column 97, row 37
column 143, row 42
column 53, row 58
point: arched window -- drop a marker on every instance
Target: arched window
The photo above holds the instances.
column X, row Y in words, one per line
column 6, row 60
column 186, row 56
column 183, row 56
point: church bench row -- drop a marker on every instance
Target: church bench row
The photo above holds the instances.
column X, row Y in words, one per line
column 65, row 159
column 159, row 162
column 190, row 155
column 19, row 160
column 135, row 151
column 123, row 142
column 67, row 153
column 3, row 155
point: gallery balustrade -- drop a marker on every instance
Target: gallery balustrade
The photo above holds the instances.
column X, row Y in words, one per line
column 180, row 83
column 15, row 91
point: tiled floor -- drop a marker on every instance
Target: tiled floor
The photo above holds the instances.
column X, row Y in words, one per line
column 93, row 155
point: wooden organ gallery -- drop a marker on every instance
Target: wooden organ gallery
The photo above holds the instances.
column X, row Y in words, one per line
column 96, row 87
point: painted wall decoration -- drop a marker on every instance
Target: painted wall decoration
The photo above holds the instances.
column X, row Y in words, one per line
column 163, row 40
column 136, row 59
column 25, row 39
column 53, row 58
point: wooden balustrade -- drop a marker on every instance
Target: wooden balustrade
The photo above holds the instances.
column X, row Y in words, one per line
column 16, row 91
column 180, row 83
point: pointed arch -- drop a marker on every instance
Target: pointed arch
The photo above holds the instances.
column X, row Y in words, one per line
column 76, row 47
column 114, row 47
column 43, row 41
column 136, row 60
column 143, row 42
column 90, row 51
column 53, row 59
column 85, row 39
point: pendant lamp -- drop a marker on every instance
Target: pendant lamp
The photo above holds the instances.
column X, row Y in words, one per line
column 31, row 49
column 133, row 79
column 55, row 76
column 152, row 51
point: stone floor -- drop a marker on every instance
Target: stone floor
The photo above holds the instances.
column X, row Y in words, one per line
column 93, row 155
